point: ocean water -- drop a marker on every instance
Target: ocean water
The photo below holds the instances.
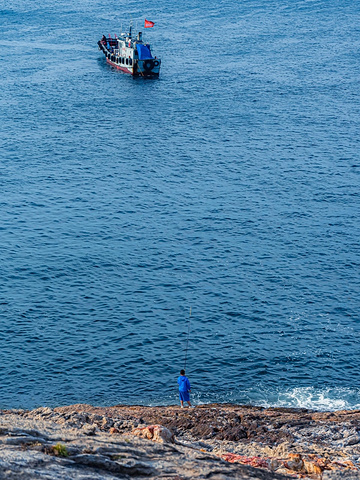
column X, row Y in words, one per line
column 230, row 185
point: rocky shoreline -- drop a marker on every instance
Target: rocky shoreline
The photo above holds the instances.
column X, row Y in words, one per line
column 218, row 441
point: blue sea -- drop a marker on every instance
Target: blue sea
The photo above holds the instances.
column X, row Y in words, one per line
column 221, row 199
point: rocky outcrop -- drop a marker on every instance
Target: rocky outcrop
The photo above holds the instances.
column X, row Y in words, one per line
column 157, row 433
column 209, row 441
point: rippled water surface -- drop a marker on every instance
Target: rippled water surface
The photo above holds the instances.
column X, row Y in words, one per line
column 230, row 185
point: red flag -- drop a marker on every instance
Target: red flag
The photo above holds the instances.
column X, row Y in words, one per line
column 148, row 24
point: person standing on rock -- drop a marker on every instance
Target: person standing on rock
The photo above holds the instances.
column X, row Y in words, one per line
column 184, row 389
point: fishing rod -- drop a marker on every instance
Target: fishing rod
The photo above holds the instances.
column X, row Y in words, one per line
column 187, row 341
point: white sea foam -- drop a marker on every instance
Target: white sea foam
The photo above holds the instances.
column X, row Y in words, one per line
column 315, row 398
column 312, row 398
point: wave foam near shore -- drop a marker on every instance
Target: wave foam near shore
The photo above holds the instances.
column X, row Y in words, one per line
column 312, row 398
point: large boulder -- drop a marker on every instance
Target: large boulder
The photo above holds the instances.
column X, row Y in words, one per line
column 157, row 433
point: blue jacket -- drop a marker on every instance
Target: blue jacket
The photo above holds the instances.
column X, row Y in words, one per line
column 184, row 384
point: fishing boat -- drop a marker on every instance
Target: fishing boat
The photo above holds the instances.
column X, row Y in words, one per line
column 130, row 54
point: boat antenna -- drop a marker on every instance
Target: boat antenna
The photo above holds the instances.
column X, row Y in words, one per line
column 187, row 341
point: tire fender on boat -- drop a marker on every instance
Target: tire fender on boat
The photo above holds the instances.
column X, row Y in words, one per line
column 148, row 65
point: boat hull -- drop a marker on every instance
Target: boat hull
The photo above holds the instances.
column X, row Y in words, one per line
column 127, row 63
column 123, row 69
column 132, row 70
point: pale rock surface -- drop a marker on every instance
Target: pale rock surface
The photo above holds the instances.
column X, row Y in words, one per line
column 210, row 441
column 27, row 452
